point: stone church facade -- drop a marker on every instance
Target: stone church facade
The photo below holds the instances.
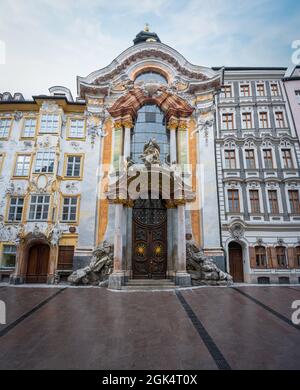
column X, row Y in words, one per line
column 225, row 175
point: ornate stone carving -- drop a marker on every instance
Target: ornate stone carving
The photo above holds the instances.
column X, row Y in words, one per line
column 173, row 124
column 54, row 234
column 203, row 270
column 171, row 104
column 50, row 106
column 18, row 115
column 151, row 155
column 237, row 230
column 15, row 189
column 76, row 146
column 72, row 187
column 127, row 123
column 101, row 266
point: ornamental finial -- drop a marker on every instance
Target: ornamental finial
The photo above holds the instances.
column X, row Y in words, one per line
column 147, row 27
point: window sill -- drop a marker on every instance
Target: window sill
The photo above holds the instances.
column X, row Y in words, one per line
column 20, row 178
column 72, row 178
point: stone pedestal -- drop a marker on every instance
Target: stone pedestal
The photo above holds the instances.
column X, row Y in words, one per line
column 182, row 278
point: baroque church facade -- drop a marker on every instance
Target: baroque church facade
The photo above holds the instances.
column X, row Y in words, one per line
column 224, row 157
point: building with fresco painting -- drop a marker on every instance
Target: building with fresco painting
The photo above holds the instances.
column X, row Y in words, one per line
column 227, row 146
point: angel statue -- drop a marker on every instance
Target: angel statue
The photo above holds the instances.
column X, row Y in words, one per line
column 151, row 155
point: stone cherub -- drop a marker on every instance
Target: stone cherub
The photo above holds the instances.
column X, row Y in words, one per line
column 151, row 155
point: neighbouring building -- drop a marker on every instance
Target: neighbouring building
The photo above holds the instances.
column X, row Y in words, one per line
column 291, row 83
column 228, row 151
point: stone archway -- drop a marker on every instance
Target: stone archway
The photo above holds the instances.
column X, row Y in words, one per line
column 41, row 272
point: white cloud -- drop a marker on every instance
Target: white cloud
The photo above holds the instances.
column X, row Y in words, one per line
column 50, row 42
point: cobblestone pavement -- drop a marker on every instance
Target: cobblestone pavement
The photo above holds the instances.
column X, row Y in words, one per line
column 207, row 328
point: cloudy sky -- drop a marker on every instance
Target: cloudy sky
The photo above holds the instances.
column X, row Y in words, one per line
column 50, row 42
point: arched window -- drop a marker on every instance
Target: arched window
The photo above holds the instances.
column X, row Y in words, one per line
column 151, row 77
column 150, row 124
column 260, row 255
column 281, row 256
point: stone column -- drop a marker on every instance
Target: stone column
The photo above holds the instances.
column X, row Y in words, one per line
column 172, row 126
column 182, row 277
column 116, row 279
column 128, row 125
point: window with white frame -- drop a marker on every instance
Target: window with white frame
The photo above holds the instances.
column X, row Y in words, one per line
column 22, row 167
column 263, row 120
column 287, row 158
column 279, row 119
column 254, row 201
column 44, row 162
column 29, row 128
column 5, row 125
column 268, row 158
column 233, row 201
column 247, row 120
column 77, row 128
column 227, row 121
column 16, row 209
column 261, row 90
column 273, row 201
column 245, row 90
column 49, row 123
column 250, row 158
column 294, row 201
column 274, row 89
column 227, row 91
column 69, row 212
column 230, row 159
column 39, row 207
column 8, row 260
column 73, row 166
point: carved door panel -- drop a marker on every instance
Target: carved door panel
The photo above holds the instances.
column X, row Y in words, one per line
column 149, row 239
column 38, row 262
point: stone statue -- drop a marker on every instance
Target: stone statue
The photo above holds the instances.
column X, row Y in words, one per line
column 203, row 270
column 151, row 155
column 97, row 273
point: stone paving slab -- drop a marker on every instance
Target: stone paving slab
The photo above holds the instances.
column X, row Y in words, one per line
column 98, row 329
column 91, row 328
column 249, row 336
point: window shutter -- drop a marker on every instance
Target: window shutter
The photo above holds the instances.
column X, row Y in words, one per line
column 274, row 257
column 271, row 253
column 291, row 254
column 252, row 257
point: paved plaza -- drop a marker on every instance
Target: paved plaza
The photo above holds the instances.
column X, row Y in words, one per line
column 244, row 327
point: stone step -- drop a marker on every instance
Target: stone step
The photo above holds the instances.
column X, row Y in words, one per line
column 148, row 288
column 150, row 282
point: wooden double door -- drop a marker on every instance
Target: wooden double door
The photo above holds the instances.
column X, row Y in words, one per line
column 149, row 260
column 38, row 264
column 236, row 262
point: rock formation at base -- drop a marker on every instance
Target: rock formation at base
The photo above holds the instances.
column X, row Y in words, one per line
column 203, row 270
column 97, row 273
